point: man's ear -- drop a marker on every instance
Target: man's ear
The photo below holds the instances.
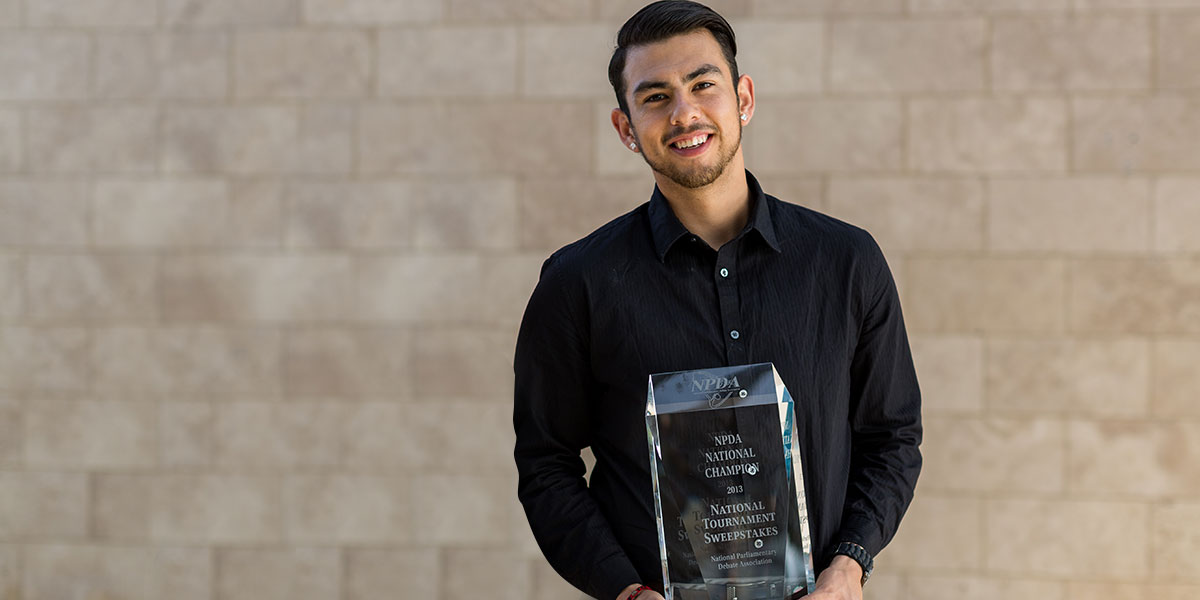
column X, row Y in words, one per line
column 745, row 93
column 620, row 122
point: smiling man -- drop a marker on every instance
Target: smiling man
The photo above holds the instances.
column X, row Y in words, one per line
column 710, row 272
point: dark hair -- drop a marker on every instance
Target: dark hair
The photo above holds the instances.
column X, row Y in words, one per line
column 659, row 21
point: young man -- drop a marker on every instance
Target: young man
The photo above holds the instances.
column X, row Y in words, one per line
column 709, row 272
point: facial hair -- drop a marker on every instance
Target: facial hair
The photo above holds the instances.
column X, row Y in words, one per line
column 700, row 175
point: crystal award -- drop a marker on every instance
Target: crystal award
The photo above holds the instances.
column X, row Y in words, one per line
column 728, row 487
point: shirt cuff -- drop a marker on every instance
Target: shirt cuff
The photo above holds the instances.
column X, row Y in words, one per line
column 611, row 576
column 862, row 531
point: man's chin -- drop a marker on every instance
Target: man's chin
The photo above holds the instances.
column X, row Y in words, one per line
column 693, row 179
column 695, row 176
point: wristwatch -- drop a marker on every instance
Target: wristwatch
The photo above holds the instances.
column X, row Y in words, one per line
column 859, row 554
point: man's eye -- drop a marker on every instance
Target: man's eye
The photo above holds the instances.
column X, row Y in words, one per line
column 654, row 98
column 703, row 85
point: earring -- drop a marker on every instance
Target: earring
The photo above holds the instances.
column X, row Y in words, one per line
column 743, row 116
column 633, row 146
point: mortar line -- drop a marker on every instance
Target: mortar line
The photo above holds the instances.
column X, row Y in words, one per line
column 1155, row 39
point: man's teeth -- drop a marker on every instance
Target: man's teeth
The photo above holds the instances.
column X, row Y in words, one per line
column 696, row 141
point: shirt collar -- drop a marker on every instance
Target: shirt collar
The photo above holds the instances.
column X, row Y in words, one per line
column 666, row 229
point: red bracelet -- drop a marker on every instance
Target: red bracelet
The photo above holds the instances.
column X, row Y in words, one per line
column 639, row 590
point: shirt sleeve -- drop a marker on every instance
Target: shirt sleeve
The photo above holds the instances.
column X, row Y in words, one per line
column 885, row 418
column 552, row 424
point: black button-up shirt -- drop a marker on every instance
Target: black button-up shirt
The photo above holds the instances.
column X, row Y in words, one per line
column 642, row 295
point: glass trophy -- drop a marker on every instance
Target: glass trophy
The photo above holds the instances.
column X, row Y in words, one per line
column 728, row 489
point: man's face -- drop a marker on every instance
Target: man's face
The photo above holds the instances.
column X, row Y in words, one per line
column 683, row 108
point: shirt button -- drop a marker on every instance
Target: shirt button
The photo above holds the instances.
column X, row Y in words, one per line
column 734, row 334
column 724, row 272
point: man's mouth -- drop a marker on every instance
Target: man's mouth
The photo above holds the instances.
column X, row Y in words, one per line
column 693, row 145
column 691, row 142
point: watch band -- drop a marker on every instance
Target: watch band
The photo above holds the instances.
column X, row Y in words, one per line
column 860, row 555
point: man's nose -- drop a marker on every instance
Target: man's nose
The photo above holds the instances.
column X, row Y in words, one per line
column 684, row 111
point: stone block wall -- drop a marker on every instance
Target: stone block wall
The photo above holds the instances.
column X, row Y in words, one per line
column 262, row 263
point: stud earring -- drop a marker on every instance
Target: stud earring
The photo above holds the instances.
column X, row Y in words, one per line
column 743, row 116
column 633, row 146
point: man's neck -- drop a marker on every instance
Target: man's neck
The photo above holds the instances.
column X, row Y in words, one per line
column 716, row 212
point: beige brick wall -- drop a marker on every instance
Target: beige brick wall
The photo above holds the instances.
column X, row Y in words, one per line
column 262, row 263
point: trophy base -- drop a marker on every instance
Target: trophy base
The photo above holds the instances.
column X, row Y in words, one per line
column 761, row 590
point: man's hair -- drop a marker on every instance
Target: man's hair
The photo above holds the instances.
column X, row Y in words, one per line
column 659, row 21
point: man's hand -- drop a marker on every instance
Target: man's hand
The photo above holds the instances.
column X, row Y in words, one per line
column 842, row 580
column 646, row 595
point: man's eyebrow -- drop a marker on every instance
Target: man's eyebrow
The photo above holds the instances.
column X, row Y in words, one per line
column 703, row 69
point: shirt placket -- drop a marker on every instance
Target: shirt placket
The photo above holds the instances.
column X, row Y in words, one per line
column 726, row 274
